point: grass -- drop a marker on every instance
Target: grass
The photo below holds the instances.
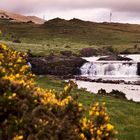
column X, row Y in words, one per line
column 55, row 35
column 45, row 49
column 124, row 114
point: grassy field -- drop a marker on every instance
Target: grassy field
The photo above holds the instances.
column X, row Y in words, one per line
column 124, row 114
column 58, row 35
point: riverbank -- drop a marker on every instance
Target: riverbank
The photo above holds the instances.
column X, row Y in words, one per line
column 132, row 92
column 124, row 114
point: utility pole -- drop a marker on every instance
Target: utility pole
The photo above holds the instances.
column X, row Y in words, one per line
column 110, row 17
column 44, row 17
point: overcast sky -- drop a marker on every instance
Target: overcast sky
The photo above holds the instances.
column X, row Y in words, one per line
column 94, row 10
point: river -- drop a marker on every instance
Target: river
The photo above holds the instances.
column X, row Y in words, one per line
column 112, row 70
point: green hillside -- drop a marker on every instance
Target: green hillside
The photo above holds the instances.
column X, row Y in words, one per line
column 57, row 34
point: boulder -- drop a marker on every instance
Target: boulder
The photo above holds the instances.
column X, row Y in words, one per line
column 56, row 65
column 114, row 93
column 66, row 53
column 88, row 52
column 138, row 68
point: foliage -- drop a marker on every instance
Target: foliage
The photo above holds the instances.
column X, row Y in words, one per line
column 31, row 113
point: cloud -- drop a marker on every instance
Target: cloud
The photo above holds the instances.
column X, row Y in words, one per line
column 39, row 5
column 70, row 8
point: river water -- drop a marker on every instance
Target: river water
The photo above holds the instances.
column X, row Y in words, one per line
column 112, row 70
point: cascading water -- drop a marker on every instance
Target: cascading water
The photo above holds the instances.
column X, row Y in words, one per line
column 110, row 68
column 112, row 75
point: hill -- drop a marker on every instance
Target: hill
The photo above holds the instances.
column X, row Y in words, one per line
column 60, row 34
column 94, row 33
column 19, row 18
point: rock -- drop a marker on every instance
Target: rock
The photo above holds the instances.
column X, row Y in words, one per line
column 114, row 58
column 88, row 52
column 114, row 93
column 138, row 68
column 56, row 65
column 16, row 41
column 67, row 46
column 100, row 80
column 66, row 53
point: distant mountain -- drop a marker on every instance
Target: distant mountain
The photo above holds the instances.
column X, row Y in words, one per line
column 20, row 18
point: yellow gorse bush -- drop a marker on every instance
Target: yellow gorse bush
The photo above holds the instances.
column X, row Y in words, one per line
column 28, row 112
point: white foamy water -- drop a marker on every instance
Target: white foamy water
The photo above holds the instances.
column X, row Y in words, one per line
column 91, row 59
column 104, row 69
column 134, row 57
column 117, row 69
column 131, row 91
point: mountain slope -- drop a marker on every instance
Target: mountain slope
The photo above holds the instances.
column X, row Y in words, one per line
column 20, row 18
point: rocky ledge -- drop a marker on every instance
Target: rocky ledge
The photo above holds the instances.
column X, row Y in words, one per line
column 56, row 65
column 114, row 58
column 100, row 80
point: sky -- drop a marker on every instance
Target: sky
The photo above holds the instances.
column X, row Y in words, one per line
column 126, row 11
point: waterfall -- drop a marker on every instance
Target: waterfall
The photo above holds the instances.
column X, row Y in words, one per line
column 109, row 68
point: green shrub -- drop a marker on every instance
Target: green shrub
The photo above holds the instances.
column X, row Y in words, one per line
column 31, row 113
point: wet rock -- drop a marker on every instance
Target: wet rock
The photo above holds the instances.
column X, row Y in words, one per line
column 88, row 52
column 114, row 58
column 56, row 65
column 114, row 93
column 138, row 68
column 100, row 80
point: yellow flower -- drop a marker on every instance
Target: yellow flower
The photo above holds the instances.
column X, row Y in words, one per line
column 91, row 130
column 99, row 132
column 17, row 75
column 82, row 136
column 106, row 118
column 66, row 88
column 97, row 113
column 19, row 60
column 14, row 95
column 90, row 112
column 20, row 137
column 3, row 46
column 94, row 108
column 102, row 113
column 107, row 134
column 3, row 70
column 104, row 103
column 10, row 97
column 97, row 104
column 85, row 119
column 109, row 127
column 80, row 105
